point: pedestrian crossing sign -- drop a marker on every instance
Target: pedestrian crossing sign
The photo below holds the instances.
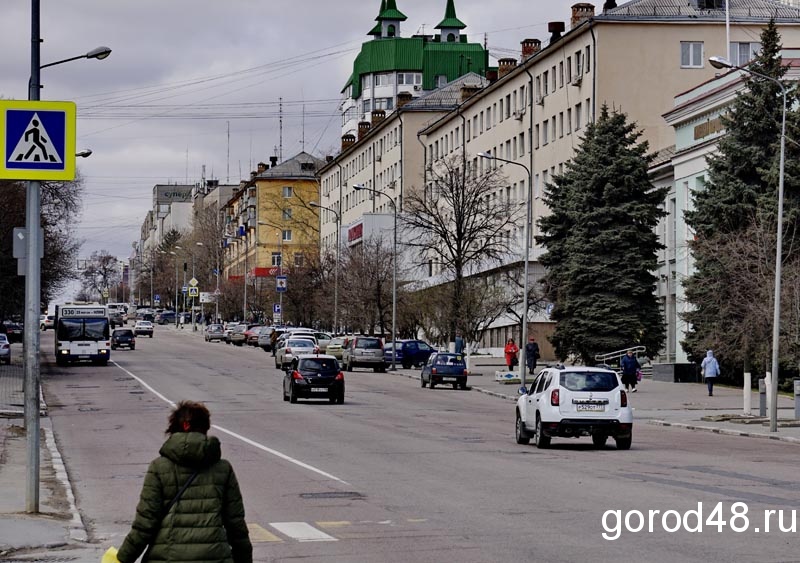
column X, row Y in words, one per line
column 37, row 140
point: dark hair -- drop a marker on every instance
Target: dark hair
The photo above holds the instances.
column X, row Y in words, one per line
column 196, row 414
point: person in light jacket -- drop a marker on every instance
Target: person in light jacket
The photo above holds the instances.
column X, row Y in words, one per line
column 710, row 370
column 207, row 523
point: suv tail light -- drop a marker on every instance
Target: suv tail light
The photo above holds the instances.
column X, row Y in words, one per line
column 623, row 398
column 339, row 376
column 554, row 397
column 296, row 375
column 433, row 371
column 466, row 372
column 288, row 350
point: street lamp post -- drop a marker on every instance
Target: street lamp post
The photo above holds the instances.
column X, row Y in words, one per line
column 336, row 272
column 394, row 272
column 194, row 324
column 720, row 62
column 175, row 254
column 33, row 279
column 526, row 265
column 279, row 232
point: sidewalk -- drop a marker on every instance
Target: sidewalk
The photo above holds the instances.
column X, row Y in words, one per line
column 58, row 530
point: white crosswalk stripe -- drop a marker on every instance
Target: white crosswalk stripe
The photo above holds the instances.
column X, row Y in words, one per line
column 301, row 531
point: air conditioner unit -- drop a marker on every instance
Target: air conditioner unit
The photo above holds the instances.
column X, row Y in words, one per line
column 539, row 100
column 518, row 114
column 417, row 87
column 577, row 79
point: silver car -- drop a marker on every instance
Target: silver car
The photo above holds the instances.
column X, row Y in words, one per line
column 292, row 348
column 5, row 349
column 364, row 351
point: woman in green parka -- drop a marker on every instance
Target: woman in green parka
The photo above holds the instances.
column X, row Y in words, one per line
column 207, row 523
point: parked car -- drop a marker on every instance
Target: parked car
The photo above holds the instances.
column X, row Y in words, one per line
column 165, row 317
column 334, row 347
column 117, row 318
column 5, row 349
column 265, row 338
column 123, row 338
column 14, row 331
column 408, row 352
column 143, row 328
column 47, row 321
column 364, row 351
column 323, row 339
column 292, row 348
column 237, row 336
column 214, row 332
column 572, row 402
column 444, row 368
column 314, row 377
column 251, row 335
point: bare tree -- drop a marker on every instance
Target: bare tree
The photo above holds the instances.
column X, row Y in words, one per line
column 101, row 272
column 461, row 224
column 365, row 286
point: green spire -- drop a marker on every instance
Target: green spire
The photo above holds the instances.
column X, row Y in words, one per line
column 376, row 31
column 390, row 12
column 450, row 20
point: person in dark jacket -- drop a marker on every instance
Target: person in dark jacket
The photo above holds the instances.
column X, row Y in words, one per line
column 630, row 366
column 207, row 523
column 531, row 354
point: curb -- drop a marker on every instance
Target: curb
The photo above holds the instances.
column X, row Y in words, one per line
column 478, row 389
column 77, row 531
column 724, row 431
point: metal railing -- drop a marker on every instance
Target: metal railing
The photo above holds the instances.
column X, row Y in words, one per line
column 616, row 356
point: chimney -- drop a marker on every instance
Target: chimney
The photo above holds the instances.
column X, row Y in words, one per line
column 506, row 66
column 403, row 98
column 555, row 29
column 262, row 167
column 491, row 75
column 273, row 160
column 328, row 159
column 609, row 5
column 253, row 175
column 348, row 141
column 580, row 13
column 363, row 129
column 467, row 90
column 529, row 48
column 378, row 115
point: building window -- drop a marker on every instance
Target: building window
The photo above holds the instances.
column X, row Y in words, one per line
column 553, row 74
column 544, row 132
column 299, row 259
column 545, row 83
column 569, row 121
column 577, row 117
column 691, row 54
column 569, row 70
column 276, row 258
column 409, row 78
column 536, row 137
column 561, row 74
column 287, row 191
column 287, row 214
column 578, row 65
column 587, row 59
column 743, row 53
column 441, row 80
column 286, row 235
column 384, row 103
column 588, row 110
column 390, row 31
column 384, row 79
column 561, row 124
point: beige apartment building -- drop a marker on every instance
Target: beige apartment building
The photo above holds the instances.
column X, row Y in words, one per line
column 634, row 57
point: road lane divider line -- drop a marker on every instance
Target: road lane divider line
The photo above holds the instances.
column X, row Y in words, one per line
column 301, row 531
column 261, row 535
column 248, row 441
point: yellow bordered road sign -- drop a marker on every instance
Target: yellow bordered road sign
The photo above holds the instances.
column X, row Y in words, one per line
column 37, row 140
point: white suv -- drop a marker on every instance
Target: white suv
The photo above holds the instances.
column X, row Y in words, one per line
column 573, row 402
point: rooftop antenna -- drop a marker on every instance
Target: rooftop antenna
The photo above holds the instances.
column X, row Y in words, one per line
column 280, row 136
column 228, row 166
column 303, row 137
column 187, row 165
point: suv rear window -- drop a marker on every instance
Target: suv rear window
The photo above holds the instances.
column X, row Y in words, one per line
column 589, row 381
column 368, row 343
column 123, row 332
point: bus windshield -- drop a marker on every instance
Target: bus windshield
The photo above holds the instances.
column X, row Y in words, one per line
column 82, row 329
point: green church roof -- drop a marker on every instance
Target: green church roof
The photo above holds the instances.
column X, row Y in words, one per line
column 450, row 20
column 390, row 12
column 377, row 29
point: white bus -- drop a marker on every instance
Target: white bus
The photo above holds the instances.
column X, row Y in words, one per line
column 82, row 333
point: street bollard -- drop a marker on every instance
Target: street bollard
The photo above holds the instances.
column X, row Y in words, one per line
column 762, row 397
column 747, row 391
column 797, row 398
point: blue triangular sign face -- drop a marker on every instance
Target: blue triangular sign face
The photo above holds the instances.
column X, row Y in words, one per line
column 35, row 145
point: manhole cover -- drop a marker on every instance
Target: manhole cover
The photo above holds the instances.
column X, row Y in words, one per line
column 87, row 409
column 332, row 495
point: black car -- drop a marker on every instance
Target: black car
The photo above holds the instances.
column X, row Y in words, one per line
column 123, row 337
column 445, row 369
column 408, row 352
column 314, row 377
column 167, row 317
column 14, row 331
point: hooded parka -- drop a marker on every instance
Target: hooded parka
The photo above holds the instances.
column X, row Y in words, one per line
column 207, row 524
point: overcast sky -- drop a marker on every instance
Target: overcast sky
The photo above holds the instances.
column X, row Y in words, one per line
column 184, row 71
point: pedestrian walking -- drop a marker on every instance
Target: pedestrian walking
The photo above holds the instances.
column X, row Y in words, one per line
column 511, row 350
column 190, row 508
column 182, row 319
column 459, row 343
column 710, row 370
column 531, row 354
column 630, row 366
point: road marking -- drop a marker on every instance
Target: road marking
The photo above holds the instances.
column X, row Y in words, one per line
column 248, row 441
column 301, row 531
column 336, row 524
column 259, row 534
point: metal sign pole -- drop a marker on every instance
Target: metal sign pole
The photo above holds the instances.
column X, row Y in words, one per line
column 33, row 297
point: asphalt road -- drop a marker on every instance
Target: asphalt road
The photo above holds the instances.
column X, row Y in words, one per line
column 404, row 474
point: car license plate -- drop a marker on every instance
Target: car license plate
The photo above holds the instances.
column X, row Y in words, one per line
column 448, row 379
column 83, row 357
column 591, row 408
column 319, row 389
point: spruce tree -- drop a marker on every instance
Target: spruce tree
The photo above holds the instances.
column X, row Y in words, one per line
column 601, row 244
column 740, row 196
